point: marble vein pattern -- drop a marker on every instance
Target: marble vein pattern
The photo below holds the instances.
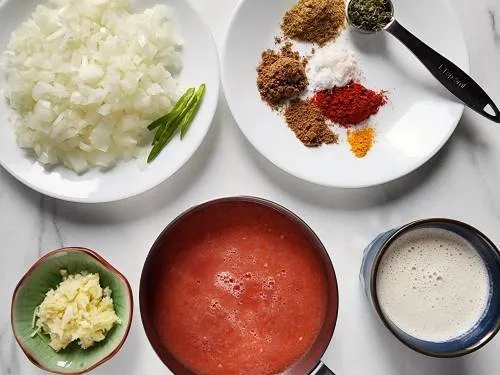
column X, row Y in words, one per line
column 461, row 182
column 49, row 235
column 494, row 25
column 8, row 352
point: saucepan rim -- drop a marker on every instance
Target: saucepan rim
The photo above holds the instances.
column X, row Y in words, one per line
column 313, row 356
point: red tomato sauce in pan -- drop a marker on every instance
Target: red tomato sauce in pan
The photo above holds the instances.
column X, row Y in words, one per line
column 239, row 291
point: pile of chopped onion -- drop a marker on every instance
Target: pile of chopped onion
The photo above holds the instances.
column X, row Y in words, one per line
column 86, row 78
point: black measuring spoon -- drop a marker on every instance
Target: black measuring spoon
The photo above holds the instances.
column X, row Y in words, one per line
column 451, row 76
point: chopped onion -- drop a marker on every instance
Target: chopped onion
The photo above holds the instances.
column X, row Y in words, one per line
column 85, row 78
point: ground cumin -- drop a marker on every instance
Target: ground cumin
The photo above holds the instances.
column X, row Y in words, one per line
column 281, row 75
column 361, row 141
column 315, row 21
column 308, row 124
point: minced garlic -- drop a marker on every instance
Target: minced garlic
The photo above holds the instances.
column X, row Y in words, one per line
column 79, row 309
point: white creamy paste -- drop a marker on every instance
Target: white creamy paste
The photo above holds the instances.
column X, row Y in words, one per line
column 433, row 285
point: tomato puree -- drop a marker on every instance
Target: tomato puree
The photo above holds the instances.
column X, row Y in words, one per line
column 239, row 291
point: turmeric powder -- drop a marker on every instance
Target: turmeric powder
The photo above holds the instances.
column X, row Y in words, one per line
column 361, row 141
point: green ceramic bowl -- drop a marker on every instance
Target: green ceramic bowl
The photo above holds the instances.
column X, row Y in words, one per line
column 45, row 275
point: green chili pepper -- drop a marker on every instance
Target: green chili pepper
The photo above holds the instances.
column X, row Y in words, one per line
column 180, row 104
column 174, row 114
column 188, row 119
column 178, row 119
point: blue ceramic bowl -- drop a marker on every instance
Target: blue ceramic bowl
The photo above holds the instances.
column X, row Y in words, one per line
column 488, row 325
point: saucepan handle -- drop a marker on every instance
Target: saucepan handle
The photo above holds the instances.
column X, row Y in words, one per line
column 322, row 369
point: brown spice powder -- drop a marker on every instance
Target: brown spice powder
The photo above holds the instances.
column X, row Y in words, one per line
column 315, row 21
column 281, row 76
column 288, row 51
column 361, row 141
column 308, row 124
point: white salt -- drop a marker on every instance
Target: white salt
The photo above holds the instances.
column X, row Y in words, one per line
column 332, row 66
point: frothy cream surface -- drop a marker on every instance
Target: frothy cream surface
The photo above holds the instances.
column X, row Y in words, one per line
column 432, row 284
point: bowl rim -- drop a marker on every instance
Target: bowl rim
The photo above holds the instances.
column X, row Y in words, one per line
column 317, row 349
column 104, row 263
column 385, row 246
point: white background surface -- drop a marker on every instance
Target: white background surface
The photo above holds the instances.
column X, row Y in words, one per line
column 462, row 182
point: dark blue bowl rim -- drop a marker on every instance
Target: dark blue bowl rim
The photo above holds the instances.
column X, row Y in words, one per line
column 373, row 284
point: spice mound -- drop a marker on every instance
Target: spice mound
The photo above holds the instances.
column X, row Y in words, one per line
column 308, row 124
column 281, row 76
column 349, row 105
column 361, row 141
column 332, row 66
column 314, row 21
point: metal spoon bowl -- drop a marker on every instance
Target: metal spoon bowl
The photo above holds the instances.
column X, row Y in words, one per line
column 451, row 76
column 360, row 29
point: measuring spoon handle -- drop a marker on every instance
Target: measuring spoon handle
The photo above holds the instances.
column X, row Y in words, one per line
column 451, row 76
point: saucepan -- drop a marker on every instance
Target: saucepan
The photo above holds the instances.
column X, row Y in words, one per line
column 310, row 362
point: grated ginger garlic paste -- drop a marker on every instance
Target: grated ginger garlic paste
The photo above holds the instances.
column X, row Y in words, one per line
column 78, row 310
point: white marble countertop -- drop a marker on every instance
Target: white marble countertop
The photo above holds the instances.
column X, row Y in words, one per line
column 462, row 182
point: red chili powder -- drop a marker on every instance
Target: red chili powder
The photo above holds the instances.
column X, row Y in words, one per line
column 349, row 105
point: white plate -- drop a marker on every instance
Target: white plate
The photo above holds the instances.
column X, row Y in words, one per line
column 416, row 123
column 126, row 179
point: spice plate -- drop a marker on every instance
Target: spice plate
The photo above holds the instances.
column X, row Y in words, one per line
column 126, row 179
column 413, row 126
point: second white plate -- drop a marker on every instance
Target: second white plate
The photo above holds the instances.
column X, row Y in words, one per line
column 417, row 122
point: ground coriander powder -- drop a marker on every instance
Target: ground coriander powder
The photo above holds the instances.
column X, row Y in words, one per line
column 315, row 21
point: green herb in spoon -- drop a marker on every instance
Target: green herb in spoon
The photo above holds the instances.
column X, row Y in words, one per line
column 370, row 15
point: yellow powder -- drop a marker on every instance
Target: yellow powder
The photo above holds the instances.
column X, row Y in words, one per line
column 361, row 141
